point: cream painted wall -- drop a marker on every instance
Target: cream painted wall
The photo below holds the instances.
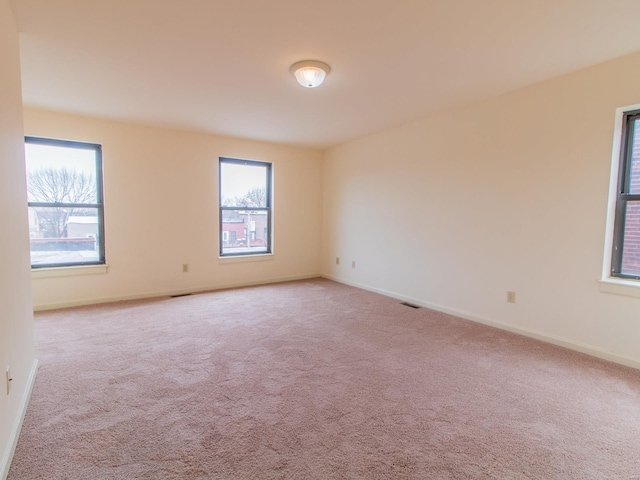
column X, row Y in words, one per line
column 509, row 194
column 16, row 318
column 161, row 191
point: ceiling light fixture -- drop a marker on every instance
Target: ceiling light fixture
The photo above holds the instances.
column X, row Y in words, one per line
column 310, row 73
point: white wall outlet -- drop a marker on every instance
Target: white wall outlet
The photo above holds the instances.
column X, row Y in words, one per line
column 185, row 267
column 337, row 260
column 511, row 297
column 9, row 380
column 353, row 264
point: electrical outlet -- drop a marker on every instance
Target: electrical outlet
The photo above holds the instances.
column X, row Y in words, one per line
column 9, row 380
column 185, row 267
column 353, row 264
column 337, row 260
column 511, row 297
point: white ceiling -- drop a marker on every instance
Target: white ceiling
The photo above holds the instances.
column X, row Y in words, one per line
column 222, row 66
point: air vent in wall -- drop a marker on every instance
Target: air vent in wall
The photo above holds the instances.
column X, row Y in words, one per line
column 407, row 304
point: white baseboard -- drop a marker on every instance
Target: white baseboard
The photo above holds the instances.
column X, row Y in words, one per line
column 527, row 332
column 17, row 424
column 166, row 293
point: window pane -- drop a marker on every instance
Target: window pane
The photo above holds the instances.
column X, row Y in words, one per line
column 244, row 231
column 64, row 235
column 634, row 177
column 57, row 174
column 631, row 248
column 243, row 185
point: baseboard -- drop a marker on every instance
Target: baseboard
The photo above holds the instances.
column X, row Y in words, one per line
column 166, row 293
column 562, row 342
column 17, row 424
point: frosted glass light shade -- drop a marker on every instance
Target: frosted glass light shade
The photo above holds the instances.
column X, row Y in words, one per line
column 310, row 73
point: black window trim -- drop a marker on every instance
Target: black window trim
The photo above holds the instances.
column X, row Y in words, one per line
column 623, row 196
column 98, row 206
column 268, row 208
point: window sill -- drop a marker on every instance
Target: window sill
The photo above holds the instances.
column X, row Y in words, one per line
column 245, row 258
column 619, row 286
column 68, row 271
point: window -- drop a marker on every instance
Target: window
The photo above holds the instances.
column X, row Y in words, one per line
column 625, row 259
column 245, row 207
column 64, row 192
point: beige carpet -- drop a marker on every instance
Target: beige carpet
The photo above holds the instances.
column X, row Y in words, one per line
column 316, row 380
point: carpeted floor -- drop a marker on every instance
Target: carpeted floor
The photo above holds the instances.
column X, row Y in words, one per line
column 315, row 380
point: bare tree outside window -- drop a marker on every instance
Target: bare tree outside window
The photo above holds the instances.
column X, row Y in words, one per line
column 256, row 197
column 60, row 186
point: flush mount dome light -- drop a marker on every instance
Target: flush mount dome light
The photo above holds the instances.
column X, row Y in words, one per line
column 310, row 73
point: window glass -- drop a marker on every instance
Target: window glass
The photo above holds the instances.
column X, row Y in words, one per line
column 243, row 185
column 634, row 157
column 631, row 249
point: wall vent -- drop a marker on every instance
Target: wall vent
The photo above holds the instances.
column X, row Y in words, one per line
column 407, row 304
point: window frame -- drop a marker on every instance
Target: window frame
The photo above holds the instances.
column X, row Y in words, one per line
column 623, row 195
column 268, row 208
column 98, row 206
